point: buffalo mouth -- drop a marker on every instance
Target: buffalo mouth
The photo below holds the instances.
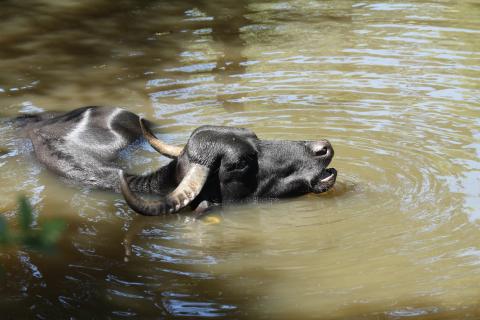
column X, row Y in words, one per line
column 326, row 180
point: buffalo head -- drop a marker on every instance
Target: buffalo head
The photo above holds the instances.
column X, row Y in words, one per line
column 224, row 164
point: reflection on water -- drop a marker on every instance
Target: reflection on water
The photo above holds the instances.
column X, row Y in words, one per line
column 394, row 86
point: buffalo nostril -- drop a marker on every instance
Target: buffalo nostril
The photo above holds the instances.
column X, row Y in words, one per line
column 321, row 148
column 322, row 151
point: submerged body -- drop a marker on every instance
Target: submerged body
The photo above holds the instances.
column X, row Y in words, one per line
column 218, row 164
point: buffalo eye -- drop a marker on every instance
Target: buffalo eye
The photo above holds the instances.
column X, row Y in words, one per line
column 237, row 165
column 241, row 164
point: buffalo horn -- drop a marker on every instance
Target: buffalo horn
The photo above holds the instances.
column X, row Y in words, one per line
column 160, row 146
column 186, row 191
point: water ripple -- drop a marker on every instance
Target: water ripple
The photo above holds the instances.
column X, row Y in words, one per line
column 393, row 86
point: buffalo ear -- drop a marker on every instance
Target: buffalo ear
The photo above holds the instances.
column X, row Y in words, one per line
column 215, row 147
column 238, row 170
column 240, row 154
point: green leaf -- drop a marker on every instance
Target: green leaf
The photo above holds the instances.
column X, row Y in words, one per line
column 26, row 216
column 4, row 233
column 51, row 231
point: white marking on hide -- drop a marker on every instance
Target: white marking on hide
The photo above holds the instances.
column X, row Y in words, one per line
column 80, row 128
column 80, row 134
column 119, row 140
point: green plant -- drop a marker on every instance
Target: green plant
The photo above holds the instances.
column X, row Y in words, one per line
column 42, row 238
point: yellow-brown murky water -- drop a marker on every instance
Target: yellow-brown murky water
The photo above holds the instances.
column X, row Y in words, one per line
column 394, row 85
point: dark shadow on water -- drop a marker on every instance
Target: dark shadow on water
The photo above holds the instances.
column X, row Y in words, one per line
column 109, row 46
column 90, row 279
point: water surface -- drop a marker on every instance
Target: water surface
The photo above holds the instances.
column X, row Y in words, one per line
column 393, row 85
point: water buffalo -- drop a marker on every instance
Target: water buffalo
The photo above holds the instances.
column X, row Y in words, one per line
column 217, row 165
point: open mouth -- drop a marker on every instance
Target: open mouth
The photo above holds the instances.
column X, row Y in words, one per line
column 331, row 174
column 326, row 181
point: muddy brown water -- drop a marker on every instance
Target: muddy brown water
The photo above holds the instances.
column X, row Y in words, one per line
column 394, row 85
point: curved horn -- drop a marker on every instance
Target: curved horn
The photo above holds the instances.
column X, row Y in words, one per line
column 165, row 149
column 179, row 198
